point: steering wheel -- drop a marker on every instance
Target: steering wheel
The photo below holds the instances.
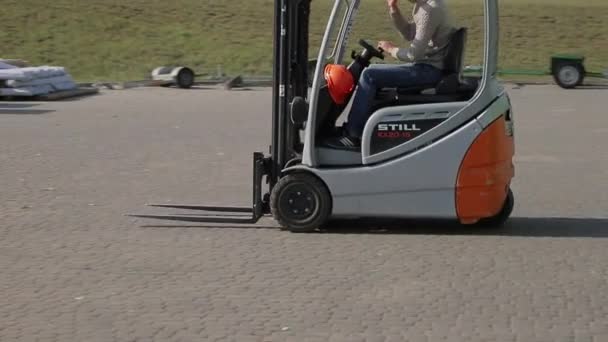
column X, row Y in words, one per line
column 372, row 50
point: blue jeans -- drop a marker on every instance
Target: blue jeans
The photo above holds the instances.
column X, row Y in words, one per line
column 382, row 76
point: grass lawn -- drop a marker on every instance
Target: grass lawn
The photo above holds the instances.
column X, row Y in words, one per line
column 125, row 39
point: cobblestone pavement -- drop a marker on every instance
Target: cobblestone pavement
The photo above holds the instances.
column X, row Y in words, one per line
column 74, row 268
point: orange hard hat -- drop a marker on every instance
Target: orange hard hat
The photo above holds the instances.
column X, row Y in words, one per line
column 340, row 82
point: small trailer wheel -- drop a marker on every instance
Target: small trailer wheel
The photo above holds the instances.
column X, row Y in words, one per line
column 300, row 203
column 185, row 78
column 569, row 75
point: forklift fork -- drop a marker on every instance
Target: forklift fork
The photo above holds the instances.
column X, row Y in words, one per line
column 236, row 215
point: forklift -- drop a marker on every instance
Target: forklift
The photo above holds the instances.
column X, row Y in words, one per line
column 436, row 151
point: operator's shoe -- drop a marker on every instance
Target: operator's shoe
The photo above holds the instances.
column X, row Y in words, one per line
column 343, row 142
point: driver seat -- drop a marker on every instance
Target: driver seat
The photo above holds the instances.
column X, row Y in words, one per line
column 453, row 65
column 452, row 87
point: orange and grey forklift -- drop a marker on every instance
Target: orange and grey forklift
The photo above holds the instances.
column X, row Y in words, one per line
column 436, row 151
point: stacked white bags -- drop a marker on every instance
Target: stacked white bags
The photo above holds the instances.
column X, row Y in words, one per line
column 32, row 81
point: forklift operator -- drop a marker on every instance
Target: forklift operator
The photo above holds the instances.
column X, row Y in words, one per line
column 429, row 34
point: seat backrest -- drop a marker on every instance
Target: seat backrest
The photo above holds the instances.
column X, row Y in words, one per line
column 454, row 58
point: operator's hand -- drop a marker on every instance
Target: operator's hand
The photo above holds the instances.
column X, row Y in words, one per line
column 392, row 4
column 388, row 47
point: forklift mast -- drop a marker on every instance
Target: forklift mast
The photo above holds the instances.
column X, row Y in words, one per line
column 290, row 79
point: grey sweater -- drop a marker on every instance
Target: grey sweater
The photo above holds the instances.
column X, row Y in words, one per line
column 429, row 33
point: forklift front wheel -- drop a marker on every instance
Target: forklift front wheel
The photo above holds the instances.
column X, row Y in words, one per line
column 300, row 203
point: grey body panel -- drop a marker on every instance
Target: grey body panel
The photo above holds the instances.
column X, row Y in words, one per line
column 417, row 178
column 489, row 91
column 419, row 184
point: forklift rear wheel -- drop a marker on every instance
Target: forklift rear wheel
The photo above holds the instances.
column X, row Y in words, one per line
column 300, row 203
column 504, row 214
column 569, row 75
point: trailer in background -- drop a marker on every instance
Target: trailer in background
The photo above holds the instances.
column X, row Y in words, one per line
column 567, row 70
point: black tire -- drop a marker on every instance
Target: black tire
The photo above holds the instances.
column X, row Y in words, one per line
column 300, row 203
column 569, row 75
column 185, row 78
column 504, row 214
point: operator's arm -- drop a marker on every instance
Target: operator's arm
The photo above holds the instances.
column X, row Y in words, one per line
column 426, row 24
column 406, row 28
